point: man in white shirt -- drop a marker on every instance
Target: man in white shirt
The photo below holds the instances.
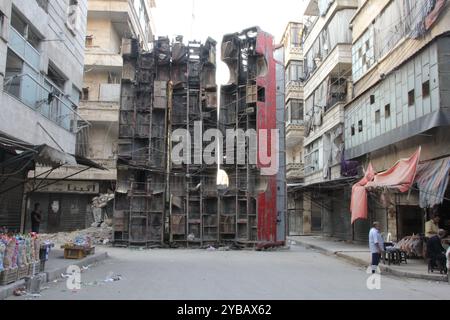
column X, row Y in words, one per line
column 376, row 245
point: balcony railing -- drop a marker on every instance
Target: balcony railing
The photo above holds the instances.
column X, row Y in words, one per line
column 44, row 97
column 295, row 170
column 23, row 48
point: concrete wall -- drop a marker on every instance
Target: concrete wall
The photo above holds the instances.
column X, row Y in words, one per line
column 105, row 37
column 393, row 91
column 22, row 122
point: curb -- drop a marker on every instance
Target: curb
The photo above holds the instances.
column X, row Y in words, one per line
column 49, row 276
column 363, row 264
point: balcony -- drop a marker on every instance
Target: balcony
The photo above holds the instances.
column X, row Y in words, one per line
column 295, row 133
column 332, row 118
column 293, row 53
column 295, row 171
column 23, row 48
column 337, row 63
column 103, row 61
column 294, row 90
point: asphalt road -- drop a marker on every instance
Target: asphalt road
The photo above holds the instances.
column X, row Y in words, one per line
column 293, row 274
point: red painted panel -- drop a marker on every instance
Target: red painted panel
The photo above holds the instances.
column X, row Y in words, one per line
column 266, row 117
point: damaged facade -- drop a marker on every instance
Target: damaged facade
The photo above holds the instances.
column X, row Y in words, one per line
column 327, row 88
column 292, row 41
column 401, row 100
column 375, row 90
column 169, row 96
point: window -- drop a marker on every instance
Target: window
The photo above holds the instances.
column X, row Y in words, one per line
column 296, row 109
column 387, row 111
column 377, row 116
column 296, row 35
column 2, row 25
column 89, row 41
column 372, row 99
column 426, row 89
column 360, row 126
column 411, row 98
column 56, row 78
column 43, row 4
column 295, row 71
column 85, row 94
column 261, row 94
column 353, row 130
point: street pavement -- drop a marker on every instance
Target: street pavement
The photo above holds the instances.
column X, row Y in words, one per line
column 294, row 274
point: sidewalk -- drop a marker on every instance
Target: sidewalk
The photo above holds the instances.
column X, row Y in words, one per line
column 360, row 255
column 56, row 266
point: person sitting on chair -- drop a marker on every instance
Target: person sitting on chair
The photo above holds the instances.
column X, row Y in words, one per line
column 436, row 253
column 432, row 227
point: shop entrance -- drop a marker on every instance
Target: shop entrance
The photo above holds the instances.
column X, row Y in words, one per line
column 410, row 221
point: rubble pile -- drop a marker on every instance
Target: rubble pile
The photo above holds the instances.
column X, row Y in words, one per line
column 98, row 235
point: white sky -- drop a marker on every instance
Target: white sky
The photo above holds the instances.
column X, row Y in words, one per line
column 215, row 18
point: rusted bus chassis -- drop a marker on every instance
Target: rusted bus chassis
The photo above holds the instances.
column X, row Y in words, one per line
column 173, row 87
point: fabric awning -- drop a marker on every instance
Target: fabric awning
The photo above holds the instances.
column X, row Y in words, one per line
column 432, row 181
column 41, row 154
column 399, row 178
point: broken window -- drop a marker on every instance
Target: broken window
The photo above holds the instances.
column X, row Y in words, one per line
column 261, row 94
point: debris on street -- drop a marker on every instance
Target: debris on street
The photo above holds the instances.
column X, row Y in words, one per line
column 99, row 236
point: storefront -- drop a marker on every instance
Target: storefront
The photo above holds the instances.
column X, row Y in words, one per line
column 66, row 206
column 17, row 189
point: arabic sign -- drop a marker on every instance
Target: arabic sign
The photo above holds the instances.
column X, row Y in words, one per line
column 85, row 187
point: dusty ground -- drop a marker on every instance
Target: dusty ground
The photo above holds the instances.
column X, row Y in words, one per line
column 199, row 274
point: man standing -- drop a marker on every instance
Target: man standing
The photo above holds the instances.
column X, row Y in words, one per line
column 36, row 217
column 432, row 227
column 376, row 245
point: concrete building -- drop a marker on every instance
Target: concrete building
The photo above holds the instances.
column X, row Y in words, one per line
column 41, row 78
column 401, row 101
column 108, row 23
column 292, row 41
column 327, row 87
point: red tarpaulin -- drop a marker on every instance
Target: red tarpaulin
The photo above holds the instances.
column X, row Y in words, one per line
column 400, row 178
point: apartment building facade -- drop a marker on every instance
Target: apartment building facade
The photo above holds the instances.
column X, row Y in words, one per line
column 401, row 102
column 327, row 87
column 108, row 23
column 41, row 78
column 292, row 41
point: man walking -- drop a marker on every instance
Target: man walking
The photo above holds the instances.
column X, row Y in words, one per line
column 376, row 245
column 36, row 218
